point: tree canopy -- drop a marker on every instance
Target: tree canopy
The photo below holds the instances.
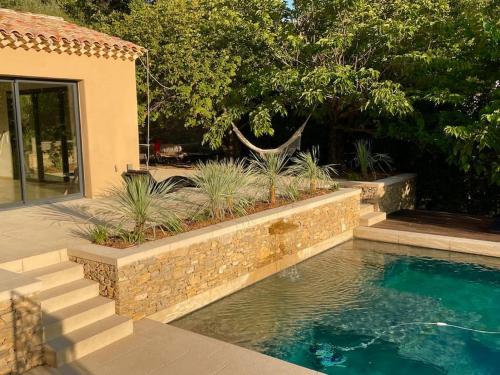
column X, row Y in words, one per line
column 422, row 71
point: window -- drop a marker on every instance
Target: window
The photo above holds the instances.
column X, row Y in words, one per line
column 40, row 153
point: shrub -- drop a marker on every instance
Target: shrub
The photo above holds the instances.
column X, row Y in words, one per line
column 306, row 166
column 99, row 234
column 271, row 170
column 223, row 184
column 141, row 205
column 291, row 190
column 367, row 161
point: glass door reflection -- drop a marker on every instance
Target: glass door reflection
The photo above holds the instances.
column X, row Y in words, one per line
column 10, row 176
column 49, row 139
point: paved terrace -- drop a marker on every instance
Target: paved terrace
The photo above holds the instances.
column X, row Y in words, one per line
column 441, row 223
column 157, row 348
column 35, row 230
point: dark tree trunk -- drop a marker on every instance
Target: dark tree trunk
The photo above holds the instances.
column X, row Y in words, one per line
column 336, row 145
column 336, row 136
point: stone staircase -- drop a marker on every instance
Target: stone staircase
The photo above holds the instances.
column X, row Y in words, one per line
column 76, row 320
column 368, row 216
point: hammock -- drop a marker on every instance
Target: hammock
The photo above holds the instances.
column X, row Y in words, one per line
column 287, row 146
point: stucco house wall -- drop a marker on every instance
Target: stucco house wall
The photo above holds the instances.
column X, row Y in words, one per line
column 108, row 107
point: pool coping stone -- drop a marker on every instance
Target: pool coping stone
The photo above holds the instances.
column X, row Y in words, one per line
column 432, row 241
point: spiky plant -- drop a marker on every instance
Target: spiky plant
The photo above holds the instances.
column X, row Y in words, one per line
column 306, row 166
column 139, row 205
column 271, row 170
column 223, row 184
column 291, row 190
column 367, row 161
column 239, row 179
column 99, row 234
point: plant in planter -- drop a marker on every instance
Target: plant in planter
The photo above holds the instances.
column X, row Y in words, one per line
column 367, row 161
column 271, row 170
column 291, row 190
column 99, row 234
column 306, row 167
column 138, row 207
column 223, row 184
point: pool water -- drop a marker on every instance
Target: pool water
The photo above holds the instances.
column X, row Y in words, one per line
column 364, row 308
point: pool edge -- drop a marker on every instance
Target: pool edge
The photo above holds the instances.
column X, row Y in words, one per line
column 430, row 241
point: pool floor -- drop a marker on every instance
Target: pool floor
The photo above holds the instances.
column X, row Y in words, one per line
column 369, row 308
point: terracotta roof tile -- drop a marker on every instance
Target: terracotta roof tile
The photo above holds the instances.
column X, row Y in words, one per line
column 41, row 32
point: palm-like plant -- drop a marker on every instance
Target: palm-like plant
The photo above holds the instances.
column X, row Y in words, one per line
column 223, row 184
column 306, row 166
column 239, row 178
column 367, row 161
column 141, row 204
column 271, row 169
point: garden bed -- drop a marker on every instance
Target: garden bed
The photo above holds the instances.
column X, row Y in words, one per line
column 190, row 225
column 352, row 175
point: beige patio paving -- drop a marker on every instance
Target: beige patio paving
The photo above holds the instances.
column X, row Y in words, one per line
column 35, row 230
column 157, row 348
column 30, row 231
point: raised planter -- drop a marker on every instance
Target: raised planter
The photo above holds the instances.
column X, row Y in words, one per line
column 168, row 278
column 389, row 194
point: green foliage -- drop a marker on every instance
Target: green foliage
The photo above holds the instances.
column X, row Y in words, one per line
column 418, row 71
column 291, row 189
column 99, row 234
column 449, row 69
column 140, row 206
column 368, row 161
column 478, row 145
column 223, row 183
column 220, row 61
column 306, row 166
column 49, row 7
column 272, row 171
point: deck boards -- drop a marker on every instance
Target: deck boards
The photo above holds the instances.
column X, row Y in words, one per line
column 441, row 223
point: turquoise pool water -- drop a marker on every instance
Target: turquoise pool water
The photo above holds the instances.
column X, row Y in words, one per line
column 363, row 308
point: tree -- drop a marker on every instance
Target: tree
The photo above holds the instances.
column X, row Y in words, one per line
column 450, row 72
column 222, row 62
column 420, row 71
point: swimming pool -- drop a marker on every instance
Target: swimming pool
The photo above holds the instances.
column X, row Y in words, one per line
column 369, row 308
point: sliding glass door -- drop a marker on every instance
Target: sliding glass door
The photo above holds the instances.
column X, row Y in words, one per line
column 43, row 141
column 10, row 176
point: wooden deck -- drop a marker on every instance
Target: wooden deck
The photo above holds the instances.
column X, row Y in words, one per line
column 441, row 223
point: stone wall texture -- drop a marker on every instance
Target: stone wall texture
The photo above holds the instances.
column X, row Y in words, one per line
column 21, row 333
column 105, row 274
column 388, row 195
column 147, row 286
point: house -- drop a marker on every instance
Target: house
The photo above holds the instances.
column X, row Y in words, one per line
column 68, row 109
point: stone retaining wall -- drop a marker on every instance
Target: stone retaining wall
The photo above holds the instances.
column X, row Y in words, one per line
column 168, row 278
column 389, row 194
column 21, row 346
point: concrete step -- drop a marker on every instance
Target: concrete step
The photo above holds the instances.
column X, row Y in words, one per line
column 71, row 318
column 86, row 340
column 366, row 208
column 57, row 274
column 372, row 218
column 36, row 261
column 68, row 294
